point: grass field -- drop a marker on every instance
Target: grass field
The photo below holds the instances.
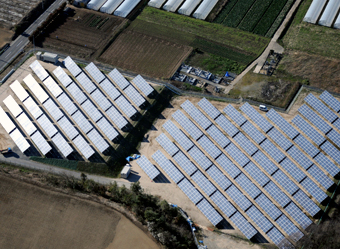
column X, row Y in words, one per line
column 261, row 17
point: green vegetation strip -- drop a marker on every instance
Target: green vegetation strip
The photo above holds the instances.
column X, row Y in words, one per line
column 239, row 11
column 56, row 162
column 225, row 11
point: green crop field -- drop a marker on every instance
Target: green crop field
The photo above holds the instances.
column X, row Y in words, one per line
column 262, row 17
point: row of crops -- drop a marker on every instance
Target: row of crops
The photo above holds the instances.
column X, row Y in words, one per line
column 262, row 17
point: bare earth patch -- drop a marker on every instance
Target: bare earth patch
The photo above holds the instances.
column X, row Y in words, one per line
column 5, row 36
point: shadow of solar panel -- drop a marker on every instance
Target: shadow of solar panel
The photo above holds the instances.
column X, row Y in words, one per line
column 67, row 104
column 218, row 136
column 53, row 109
column 234, row 115
column 148, row 167
column 190, row 191
column 307, row 146
column 100, row 99
column 306, row 128
column 200, row 158
column 268, row 206
column 203, row 183
column 280, row 139
column 298, row 215
column 209, row 147
column 142, row 85
column 219, row 177
column 135, row 96
column 260, row 220
column 285, row 182
column 288, row 226
column 222, row 203
column 320, row 177
column 91, row 110
column 119, row 79
column 213, row 216
column 187, row 125
column 323, row 110
column 168, row 167
column 299, row 157
column 256, row 117
column 314, row 119
column 228, row 166
column 245, row 227
column 96, row 74
column 277, row 194
column 110, row 89
column 185, row 163
column 82, row 122
column 327, row 164
column 314, row 190
column 167, row 145
column 247, row 186
column 264, row 162
column 293, row 170
column 330, row 101
column 64, row 79
column 68, row 128
column 76, row 93
column 245, row 143
column 253, row 132
column 282, row 124
column 237, row 196
column 196, row 115
column 208, row 108
column 272, row 150
column 226, row 125
column 237, row 154
column 72, row 66
column 306, row 203
column 178, row 135
column 86, row 82
column 256, row 174
column 333, row 152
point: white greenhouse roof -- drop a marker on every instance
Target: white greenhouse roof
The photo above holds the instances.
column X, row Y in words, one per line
column 314, row 11
column 126, row 7
column 110, row 6
column 172, row 5
column 204, row 9
column 12, row 106
column 5, row 121
column 95, row 4
column 19, row 90
column 188, row 7
column 35, row 88
column 19, row 140
column 156, row 3
column 330, row 13
column 337, row 22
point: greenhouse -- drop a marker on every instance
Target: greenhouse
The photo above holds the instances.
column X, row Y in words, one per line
column 337, row 23
column 156, row 3
column 95, row 4
column 314, row 11
column 330, row 13
column 126, row 7
column 204, row 9
column 172, row 5
column 188, row 7
column 110, row 6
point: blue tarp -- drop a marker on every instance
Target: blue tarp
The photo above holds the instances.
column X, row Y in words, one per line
column 227, row 74
column 130, row 158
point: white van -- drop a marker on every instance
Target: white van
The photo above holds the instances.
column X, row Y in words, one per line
column 263, row 108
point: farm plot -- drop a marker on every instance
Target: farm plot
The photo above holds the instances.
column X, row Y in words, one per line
column 81, row 34
column 145, row 54
column 261, row 17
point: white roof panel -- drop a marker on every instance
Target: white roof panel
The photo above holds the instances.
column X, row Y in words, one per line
column 26, row 124
column 52, row 86
column 110, row 6
column 72, row 66
column 5, row 121
column 330, row 13
column 172, row 5
column 126, row 7
column 95, row 4
column 19, row 90
column 12, row 106
column 83, row 146
column 62, row 76
column 97, row 140
column 37, row 90
column 156, row 3
column 19, row 140
column 33, row 108
column 62, row 145
column 204, row 9
column 314, row 11
column 188, row 7
column 39, row 70
column 41, row 143
column 47, row 126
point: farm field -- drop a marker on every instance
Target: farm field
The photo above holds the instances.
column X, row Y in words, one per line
column 82, row 33
column 262, row 17
column 38, row 217
column 145, row 54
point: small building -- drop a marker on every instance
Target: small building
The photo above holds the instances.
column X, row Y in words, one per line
column 125, row 171
column 49, row 57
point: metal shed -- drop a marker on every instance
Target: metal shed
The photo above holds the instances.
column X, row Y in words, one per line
column 172, row 5
column 188, row 7
column 204, row 9
column 126, row 7
column 110, row 6
column 337, row 22
column 156, row 3
column 95, row 4
column 314, row 11
column 330, row 13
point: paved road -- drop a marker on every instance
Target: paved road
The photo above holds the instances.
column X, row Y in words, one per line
column 18, row 44
column 60, row 171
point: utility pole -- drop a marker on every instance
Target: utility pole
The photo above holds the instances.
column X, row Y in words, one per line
column 33, row 44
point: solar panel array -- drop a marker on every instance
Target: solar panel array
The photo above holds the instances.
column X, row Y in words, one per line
column 196, row 115
column 178, row 135
column 245, row 227
column 330, row 101
column 208, row 108
column 259, row 219
column 203, row 182
column 86, row 82
column 185, row 163
column 35, row 88
column 212, row 215
column 125, row 106
column 67, row 104
column 19, row 91
column 52, row 86
column 142, row 85
column 282, row 124
column 256, row 117
column 95, row 73
column 188, row 126
column 167, row 145
column 148, row 167
column 39, row 70
column 316, row 120
column 323, row 110
column 306, row 128
column 209, row 147
column 60, row 74
column 119, row 79
column 189, row 190
column 134, row 95
column 218, row 136
column 72, row 66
